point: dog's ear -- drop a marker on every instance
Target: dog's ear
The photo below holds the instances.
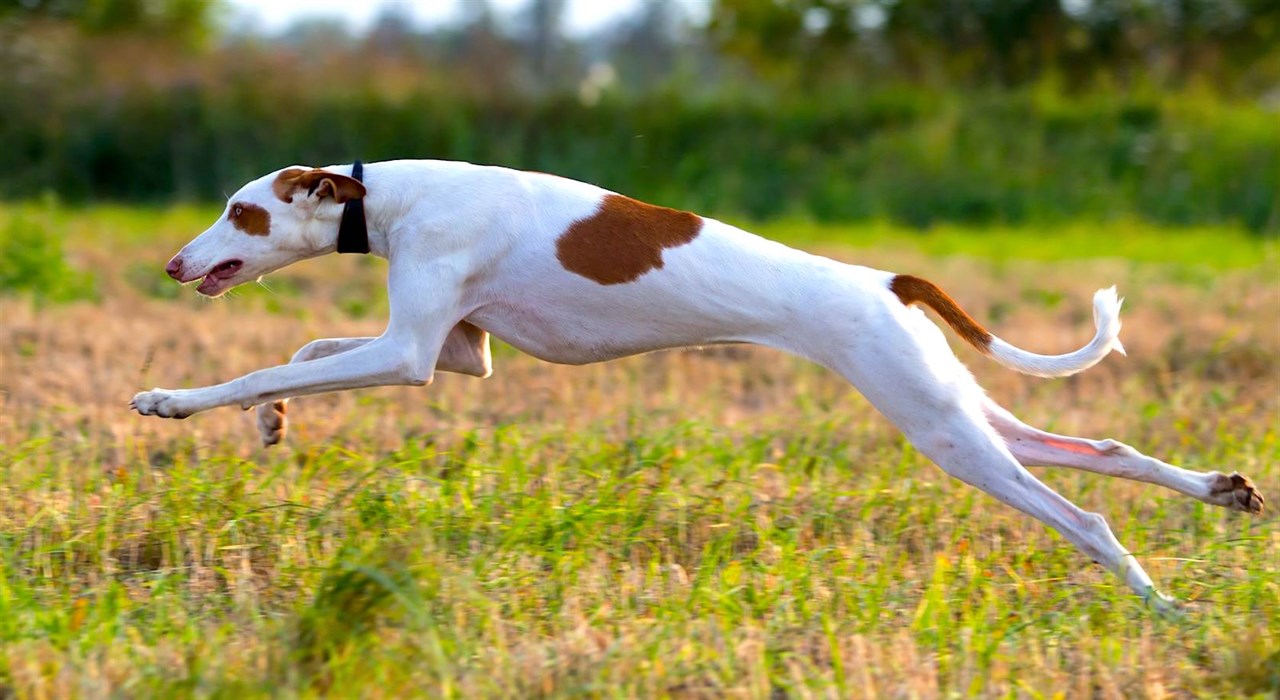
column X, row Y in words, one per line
column 319, row 182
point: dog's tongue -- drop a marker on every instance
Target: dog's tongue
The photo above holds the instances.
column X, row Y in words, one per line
column 219, row 275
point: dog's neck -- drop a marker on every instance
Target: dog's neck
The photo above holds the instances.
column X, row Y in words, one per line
column 380, row 209
column 404, row 193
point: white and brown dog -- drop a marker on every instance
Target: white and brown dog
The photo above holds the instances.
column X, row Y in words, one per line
column 571, row 273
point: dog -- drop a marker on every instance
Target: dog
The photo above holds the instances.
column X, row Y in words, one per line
column 572, row 273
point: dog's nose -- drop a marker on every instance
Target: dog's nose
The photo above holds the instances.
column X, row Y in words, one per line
column 174, row 268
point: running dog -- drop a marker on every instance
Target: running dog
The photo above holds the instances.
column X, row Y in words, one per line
column 571, row 273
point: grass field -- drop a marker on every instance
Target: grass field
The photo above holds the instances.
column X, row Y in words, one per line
column 729, row 522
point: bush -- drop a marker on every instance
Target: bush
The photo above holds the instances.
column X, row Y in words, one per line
column 905, row 154
column 31, row 261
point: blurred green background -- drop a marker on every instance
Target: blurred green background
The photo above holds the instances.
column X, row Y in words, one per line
column 727, row 522
column 915, row 112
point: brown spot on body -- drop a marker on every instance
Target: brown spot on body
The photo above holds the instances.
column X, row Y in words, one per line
column 250, row 218
column 316, row 181
column 916, row 290
column 624, row 239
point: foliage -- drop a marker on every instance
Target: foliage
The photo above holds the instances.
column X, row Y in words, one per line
column 1230, row 43
column 32, row 261
column 908, row 155
column 186, row 22
column 967, row 117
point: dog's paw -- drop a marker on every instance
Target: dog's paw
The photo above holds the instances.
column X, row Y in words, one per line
column 162, row 403
column 1237, row 492
column 272, row 422
column 1163, row 605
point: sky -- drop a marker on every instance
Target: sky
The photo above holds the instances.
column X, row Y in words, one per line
column 581, row 16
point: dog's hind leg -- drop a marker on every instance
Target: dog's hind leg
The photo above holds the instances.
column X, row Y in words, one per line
column 272, row 422
column 902, row 364
column 1033, row 447
column 964, row 446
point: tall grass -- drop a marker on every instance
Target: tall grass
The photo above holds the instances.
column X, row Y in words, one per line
column 720, row 523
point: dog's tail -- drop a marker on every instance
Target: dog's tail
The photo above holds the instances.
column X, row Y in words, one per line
column 1106, row 318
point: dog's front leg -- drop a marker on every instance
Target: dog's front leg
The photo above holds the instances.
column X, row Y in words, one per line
column 405, row 354
column 465, row 351
column 385, row 361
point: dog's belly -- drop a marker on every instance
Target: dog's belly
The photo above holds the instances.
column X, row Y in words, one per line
column 579, row 339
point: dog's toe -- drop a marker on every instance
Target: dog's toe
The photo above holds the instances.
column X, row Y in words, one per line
column 1237, row 492
column 272, row 422
column 1247, row 496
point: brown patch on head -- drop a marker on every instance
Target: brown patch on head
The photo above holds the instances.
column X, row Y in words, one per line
column 250, row 218
column 285, row 183
column 316, row 181
column 915, row 290
column 624, row 239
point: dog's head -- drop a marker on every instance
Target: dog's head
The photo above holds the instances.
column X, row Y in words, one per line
column 276, row 220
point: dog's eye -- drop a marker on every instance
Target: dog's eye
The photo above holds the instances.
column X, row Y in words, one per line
column 238, row 210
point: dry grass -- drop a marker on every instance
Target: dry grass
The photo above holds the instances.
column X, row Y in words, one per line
column 718, row 523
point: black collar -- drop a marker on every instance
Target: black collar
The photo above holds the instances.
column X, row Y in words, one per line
column 353, row 232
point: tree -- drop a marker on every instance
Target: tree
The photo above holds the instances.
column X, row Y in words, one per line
column 189, row 22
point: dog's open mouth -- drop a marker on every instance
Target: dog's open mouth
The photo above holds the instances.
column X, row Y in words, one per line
column 217, row 280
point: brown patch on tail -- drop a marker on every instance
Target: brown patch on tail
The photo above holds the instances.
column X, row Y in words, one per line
column 624, row 239
column 916, row 290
